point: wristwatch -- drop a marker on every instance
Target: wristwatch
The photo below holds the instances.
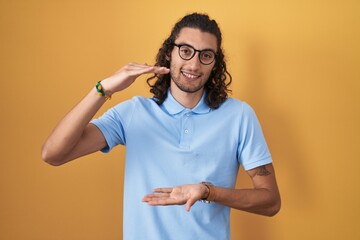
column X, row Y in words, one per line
column 211, row 196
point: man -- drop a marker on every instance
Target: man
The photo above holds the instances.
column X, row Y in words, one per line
column 189, row 140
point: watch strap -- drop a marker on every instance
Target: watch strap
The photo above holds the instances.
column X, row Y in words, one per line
column 211, row 196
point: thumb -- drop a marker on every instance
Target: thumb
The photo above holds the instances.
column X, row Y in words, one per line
column 189, row 204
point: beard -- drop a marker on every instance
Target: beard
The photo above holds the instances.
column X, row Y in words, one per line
column 186, row 86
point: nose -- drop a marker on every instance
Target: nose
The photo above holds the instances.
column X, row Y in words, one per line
column 194, row 62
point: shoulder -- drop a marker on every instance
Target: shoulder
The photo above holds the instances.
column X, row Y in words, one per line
column 237, row 111
column 143, row 100
column 136, row 101
column 236, row 105
column 125, row 111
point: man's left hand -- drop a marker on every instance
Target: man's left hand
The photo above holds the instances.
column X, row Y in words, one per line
column 187, row 194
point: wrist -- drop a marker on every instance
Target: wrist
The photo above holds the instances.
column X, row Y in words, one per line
column 106, row 87
column 206, row 191
column 103, row 91
column 209, row 194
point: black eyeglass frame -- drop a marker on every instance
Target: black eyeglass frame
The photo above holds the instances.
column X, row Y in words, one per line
column 195, row 50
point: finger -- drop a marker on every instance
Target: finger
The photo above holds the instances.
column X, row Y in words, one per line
column 135, row 66
column 161, row 70
column 139, row 70
column 163, row 202
column 151, row 69
column 189, row 204
column 145, row 65
column 162, row 190
column 138, row 65
column 151, row 197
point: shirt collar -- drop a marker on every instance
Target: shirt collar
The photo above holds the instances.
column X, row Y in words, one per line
column 174, row 107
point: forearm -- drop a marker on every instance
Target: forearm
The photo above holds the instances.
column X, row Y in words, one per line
column 70, row 129
column 74, row 136
column 260, row 201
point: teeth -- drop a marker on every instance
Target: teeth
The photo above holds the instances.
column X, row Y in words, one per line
column 189, row 75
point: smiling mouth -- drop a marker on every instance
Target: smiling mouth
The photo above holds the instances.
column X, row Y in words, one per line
column 191, row 76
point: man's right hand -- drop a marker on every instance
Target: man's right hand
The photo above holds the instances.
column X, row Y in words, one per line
column 74, row 136
column 124, row 77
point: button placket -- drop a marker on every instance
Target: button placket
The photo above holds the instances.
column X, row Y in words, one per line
column 186, row 130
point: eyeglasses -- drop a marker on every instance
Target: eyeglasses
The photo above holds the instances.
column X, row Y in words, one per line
column 187, row 52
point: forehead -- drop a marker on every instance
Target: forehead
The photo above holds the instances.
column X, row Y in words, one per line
column 196, row 38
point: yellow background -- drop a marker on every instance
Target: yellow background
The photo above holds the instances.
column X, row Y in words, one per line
column 295, row 62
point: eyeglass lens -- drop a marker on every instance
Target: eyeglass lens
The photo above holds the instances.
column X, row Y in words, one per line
column 187, row 52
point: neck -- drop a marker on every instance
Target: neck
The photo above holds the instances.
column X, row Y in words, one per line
column 188, row 100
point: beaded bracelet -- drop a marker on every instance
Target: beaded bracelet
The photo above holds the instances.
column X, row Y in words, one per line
column 100, row 90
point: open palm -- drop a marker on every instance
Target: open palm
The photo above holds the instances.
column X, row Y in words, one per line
column 185, row 194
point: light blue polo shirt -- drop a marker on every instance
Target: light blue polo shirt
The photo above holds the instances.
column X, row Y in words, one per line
column 170, row 145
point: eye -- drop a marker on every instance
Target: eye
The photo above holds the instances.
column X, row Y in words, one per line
column 207, row 55
column 186, row 51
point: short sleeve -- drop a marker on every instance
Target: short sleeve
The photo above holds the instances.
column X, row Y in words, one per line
column 252, row 150
column 114, row 122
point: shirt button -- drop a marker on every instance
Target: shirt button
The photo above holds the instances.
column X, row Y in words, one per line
column 186, row 131
column 188, row 114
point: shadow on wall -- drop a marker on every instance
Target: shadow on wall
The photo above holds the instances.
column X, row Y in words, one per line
column 284, row 147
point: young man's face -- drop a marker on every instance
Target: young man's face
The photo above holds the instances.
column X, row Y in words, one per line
column 191, row 75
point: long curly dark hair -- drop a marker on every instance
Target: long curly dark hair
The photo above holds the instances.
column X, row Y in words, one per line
column 217, row 85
